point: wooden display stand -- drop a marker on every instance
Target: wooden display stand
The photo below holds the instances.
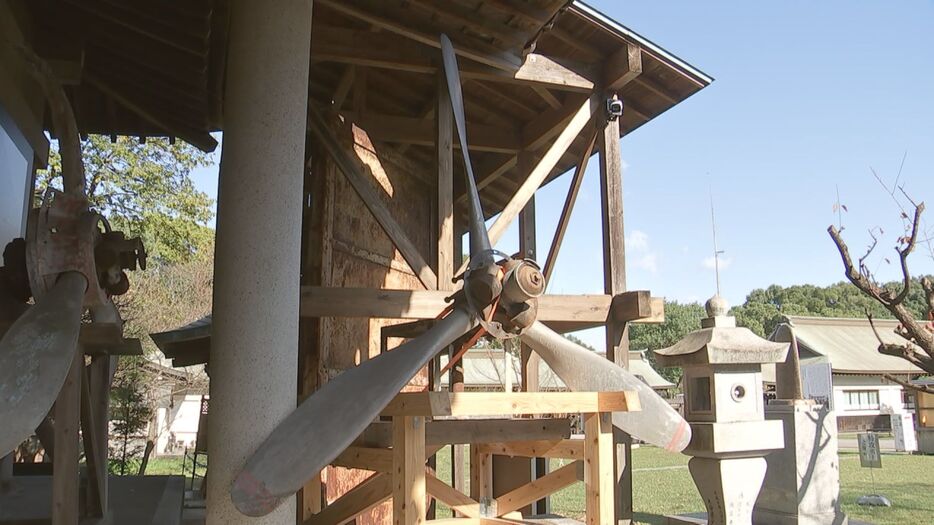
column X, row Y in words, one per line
column 417, row 433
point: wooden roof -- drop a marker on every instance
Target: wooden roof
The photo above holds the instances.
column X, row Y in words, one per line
column 151, row 68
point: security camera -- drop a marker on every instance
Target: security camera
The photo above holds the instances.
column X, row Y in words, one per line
column 614, row 108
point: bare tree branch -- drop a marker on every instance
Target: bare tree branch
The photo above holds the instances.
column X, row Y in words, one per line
column 906, row 384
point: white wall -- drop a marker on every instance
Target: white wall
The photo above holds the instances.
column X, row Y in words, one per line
column 890, row 396
column 15, row 180
column 180, row 423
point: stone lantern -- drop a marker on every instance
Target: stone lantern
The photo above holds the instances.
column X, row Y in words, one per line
column 724, row 403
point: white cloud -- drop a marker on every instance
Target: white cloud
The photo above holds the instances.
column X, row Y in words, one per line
column 647, row 262
column 637, row 241
column 710, row 264
column 641, row 255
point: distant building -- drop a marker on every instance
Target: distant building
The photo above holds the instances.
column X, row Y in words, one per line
column 862, row 397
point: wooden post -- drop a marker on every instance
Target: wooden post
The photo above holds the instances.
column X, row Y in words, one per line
column 65, row 462
column 614, row 282
column 408, row 469
column 599, row 478
column 481, row 476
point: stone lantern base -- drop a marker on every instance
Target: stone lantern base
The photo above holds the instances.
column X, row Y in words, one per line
column 802, row 485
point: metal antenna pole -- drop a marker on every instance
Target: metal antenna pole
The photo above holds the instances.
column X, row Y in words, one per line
column 716, row 252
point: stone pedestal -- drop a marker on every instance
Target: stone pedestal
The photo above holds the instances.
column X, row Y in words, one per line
column 728, row 487
column 802, row 485
column 926, row 440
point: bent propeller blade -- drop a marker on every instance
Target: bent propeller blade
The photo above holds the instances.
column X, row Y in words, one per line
column 35, row 355
column 583, row 370
column 479, row 238
column 320, row 428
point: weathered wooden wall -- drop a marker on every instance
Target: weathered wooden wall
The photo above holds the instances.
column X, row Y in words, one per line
column 346, row 247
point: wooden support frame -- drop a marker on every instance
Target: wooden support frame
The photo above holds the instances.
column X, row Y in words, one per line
column 412, row 482
column 357, row 178
column 444, row 150
column 389, row 51
column 565, row 218
column 373, row 491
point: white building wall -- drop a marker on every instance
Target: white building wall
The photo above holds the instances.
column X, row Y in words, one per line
column 890, row 396
column 178, row 425
column 15, row 180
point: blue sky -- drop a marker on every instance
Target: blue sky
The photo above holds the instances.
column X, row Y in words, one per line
column 808, row 96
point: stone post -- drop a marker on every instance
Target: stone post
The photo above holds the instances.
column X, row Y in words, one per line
column 256, row 280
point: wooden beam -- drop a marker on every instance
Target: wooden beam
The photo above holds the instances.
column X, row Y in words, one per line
column 95, row 457
column 422, row 132
column 372, row 458
column 557, row 448
column 324, row 301
column 388, row 51
column 350, row 166
column 343, row 86
column 514, row 403
column 539, row 488
column 599, row 478
column 547, row 96
column 565, row 218
column 638, row 305
column 474, row 50
column 622, row 67
column 363, row 497
column 202, row 141
column 452, row 431
column 444, row 144
column 457, row 501
column 67, row 411
column 544, row 168
column 408, row 467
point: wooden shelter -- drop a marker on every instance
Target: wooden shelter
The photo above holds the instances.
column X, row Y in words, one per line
column 339, row 174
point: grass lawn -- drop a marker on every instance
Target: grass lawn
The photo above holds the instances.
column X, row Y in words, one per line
column 662, row 485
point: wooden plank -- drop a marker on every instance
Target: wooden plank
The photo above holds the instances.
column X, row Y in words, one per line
column 465, row 431
column 388, row 51
column 544, row 167
column 350, row 166
column 444, row 151
column 408, row 459
column 456, row 500
column 326, row 301
column 67, row 411
column 599, row 475
column 539, row 488
column 371, row 458
column 512, row 403
column 363, row 497
column 557, row 448
column 475, row 50
column 565, row 218
column 622, row 67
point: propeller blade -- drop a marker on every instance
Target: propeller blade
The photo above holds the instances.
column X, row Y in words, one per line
column 583, row 370
column 35, row 355
column 330, row 419
column 479, row 239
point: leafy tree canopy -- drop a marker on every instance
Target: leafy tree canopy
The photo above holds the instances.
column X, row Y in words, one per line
column 145, row 189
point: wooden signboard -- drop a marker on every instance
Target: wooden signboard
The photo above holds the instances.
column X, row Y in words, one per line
column 869, row 454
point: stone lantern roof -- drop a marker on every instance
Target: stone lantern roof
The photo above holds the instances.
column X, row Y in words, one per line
column 721, row 342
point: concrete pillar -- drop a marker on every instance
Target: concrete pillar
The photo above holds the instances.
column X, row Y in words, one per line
column 256, row 280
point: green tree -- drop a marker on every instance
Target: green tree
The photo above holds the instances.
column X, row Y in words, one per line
column 130, row 412
column 680, row 319
column 145, row 189
column 765, row 307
